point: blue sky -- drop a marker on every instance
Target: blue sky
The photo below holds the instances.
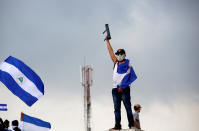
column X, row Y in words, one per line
column 160, row 38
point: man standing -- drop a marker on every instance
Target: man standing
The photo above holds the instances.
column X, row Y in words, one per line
column 137, row 109
column 123, row 76
column 15, row 125
column 6, row 124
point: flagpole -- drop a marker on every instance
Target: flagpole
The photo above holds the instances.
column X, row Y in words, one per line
column 21, row 116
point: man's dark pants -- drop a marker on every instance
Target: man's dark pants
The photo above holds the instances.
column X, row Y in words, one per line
column 126, row 98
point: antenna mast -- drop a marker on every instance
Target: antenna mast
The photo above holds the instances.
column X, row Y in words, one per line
column 87, row 81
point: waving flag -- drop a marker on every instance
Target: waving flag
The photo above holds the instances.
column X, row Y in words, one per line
column 3, row 107
column 33, row 124
column 21, row 80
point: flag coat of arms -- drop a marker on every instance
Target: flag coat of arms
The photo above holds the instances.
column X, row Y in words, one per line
column 29, row 123
column 21, row 80
column 3, row 107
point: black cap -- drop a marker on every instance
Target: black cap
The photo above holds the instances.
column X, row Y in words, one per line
column 120, row 51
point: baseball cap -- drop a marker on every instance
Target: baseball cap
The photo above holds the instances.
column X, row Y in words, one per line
column 120, row 51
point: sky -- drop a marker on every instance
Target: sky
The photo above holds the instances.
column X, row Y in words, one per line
column 54, row 36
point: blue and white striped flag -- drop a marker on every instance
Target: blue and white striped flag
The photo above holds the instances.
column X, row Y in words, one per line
column 30, row 123
column 3, row 107
column 123, row 75
column 21, row 80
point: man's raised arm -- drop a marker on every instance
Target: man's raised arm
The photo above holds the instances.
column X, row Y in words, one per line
column 110, row 49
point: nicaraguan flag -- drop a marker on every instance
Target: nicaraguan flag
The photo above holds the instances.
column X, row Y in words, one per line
column 21, row 80
column 33, row 124
column 123, row 75
column 3, row 107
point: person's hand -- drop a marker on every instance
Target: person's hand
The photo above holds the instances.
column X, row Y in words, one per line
column 120, row 90
column 106, row 38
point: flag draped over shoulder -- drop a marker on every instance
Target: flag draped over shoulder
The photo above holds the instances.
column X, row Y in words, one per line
column 30, row 123
column 3, row 107
column 21, row 80
column 123, row 75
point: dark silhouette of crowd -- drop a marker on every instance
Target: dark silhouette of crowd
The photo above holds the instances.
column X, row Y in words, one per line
column 4, row 125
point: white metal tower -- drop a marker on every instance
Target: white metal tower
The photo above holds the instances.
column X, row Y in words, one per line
column 86, row 81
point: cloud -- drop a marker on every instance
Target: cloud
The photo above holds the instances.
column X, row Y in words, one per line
column 52, row 37
column 178, row 115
